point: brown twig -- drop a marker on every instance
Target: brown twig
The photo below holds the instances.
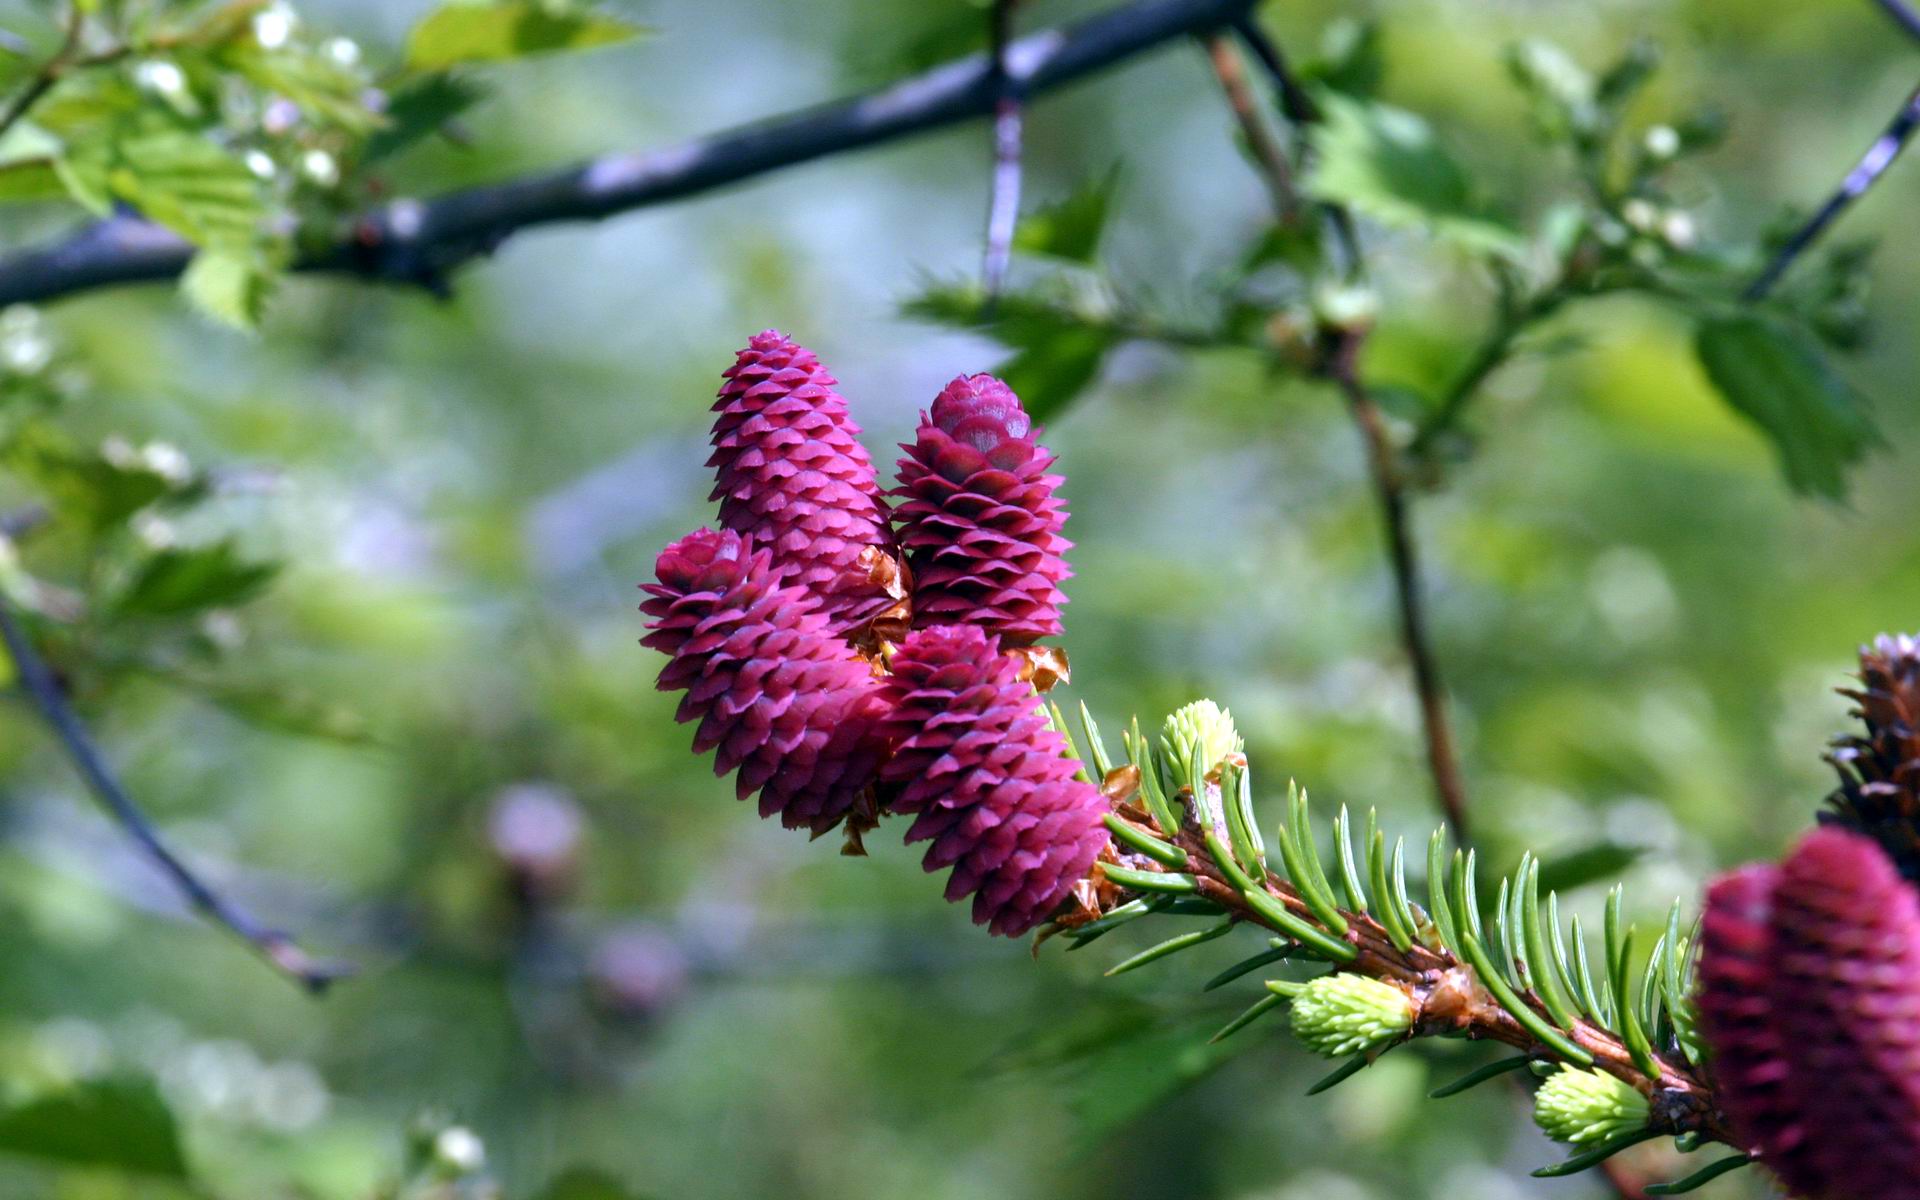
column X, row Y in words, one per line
column 1390, row 489
column 1341, row 366
column 50, row 698
column 1268, row 155
column 48, row 74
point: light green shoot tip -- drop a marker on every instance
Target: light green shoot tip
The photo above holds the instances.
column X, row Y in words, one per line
column 1588, row 1108
column 1341, row 1014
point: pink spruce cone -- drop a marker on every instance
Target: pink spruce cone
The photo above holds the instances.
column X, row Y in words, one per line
column 985, row 774
column 791, row 471
column 776, row 691
column 1810, row 998
column 979, row 519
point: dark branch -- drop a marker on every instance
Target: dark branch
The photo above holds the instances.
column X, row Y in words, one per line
column 49, row 697
column 421, row 241
column 1009, row 117
column 1864, row 175
column 48, row 74
column 1903, row 14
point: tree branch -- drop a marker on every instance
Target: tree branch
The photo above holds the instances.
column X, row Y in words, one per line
column 1296, row 104
column 1864, row 175
column 48, row 74
column 48, row 696
column 1267, row 153
column 1903, row 15
column 1341, row 366
column 1009, row 117
column 1390, row 488
column 421, row 241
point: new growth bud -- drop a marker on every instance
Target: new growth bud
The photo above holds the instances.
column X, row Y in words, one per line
column 1341, row 1014
column 1202, row 723
column 1587, row 1108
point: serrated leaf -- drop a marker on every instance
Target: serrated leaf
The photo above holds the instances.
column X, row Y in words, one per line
column 121, row 1125
column 178, row 581
column 171, row 173
column 1386, row 163
column 420, row 109
column 1773, row 374
column 1057, row 353
column 229, row 284
column 1071, row 229
column 471, row 33
column 314, row 82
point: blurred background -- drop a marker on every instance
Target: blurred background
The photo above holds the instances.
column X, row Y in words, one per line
column 431, row 744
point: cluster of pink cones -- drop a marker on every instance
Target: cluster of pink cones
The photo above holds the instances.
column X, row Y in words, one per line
column 849, row 657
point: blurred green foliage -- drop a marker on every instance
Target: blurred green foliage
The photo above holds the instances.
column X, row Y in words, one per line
column 348, row 589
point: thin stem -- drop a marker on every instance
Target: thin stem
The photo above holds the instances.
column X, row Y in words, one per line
column 1003, row 204
column 48, row 74
column 50, row 698
column 1268, row 156
column 1390, row 489
column 1492, row 354
column 1342, row 367
column 1864, row 175
column 1296, row 104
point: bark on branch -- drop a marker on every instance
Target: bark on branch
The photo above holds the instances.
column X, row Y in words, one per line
column 421, row 242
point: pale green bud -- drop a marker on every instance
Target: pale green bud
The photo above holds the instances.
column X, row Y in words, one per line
column 1204, row 723
column 1587, row 1108
column 1341, row 1014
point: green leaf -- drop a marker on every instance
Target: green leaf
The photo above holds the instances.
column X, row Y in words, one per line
column 419, row 109
column 30, row 179
column 27, row 154
column 1773, row 374
column 1058, row 352
column 470, row 33
column 586, row 1183
column 229, row 284
column 1071, row 229
column 119, row 1124
column 1386, row 163
column 170, row 172
column 313, row 81
column 1561, row 90
column 1588, row 864
column 102, row 489
column 179, row 581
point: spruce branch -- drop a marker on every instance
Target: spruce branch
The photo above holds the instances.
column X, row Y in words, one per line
column 1187, row 843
